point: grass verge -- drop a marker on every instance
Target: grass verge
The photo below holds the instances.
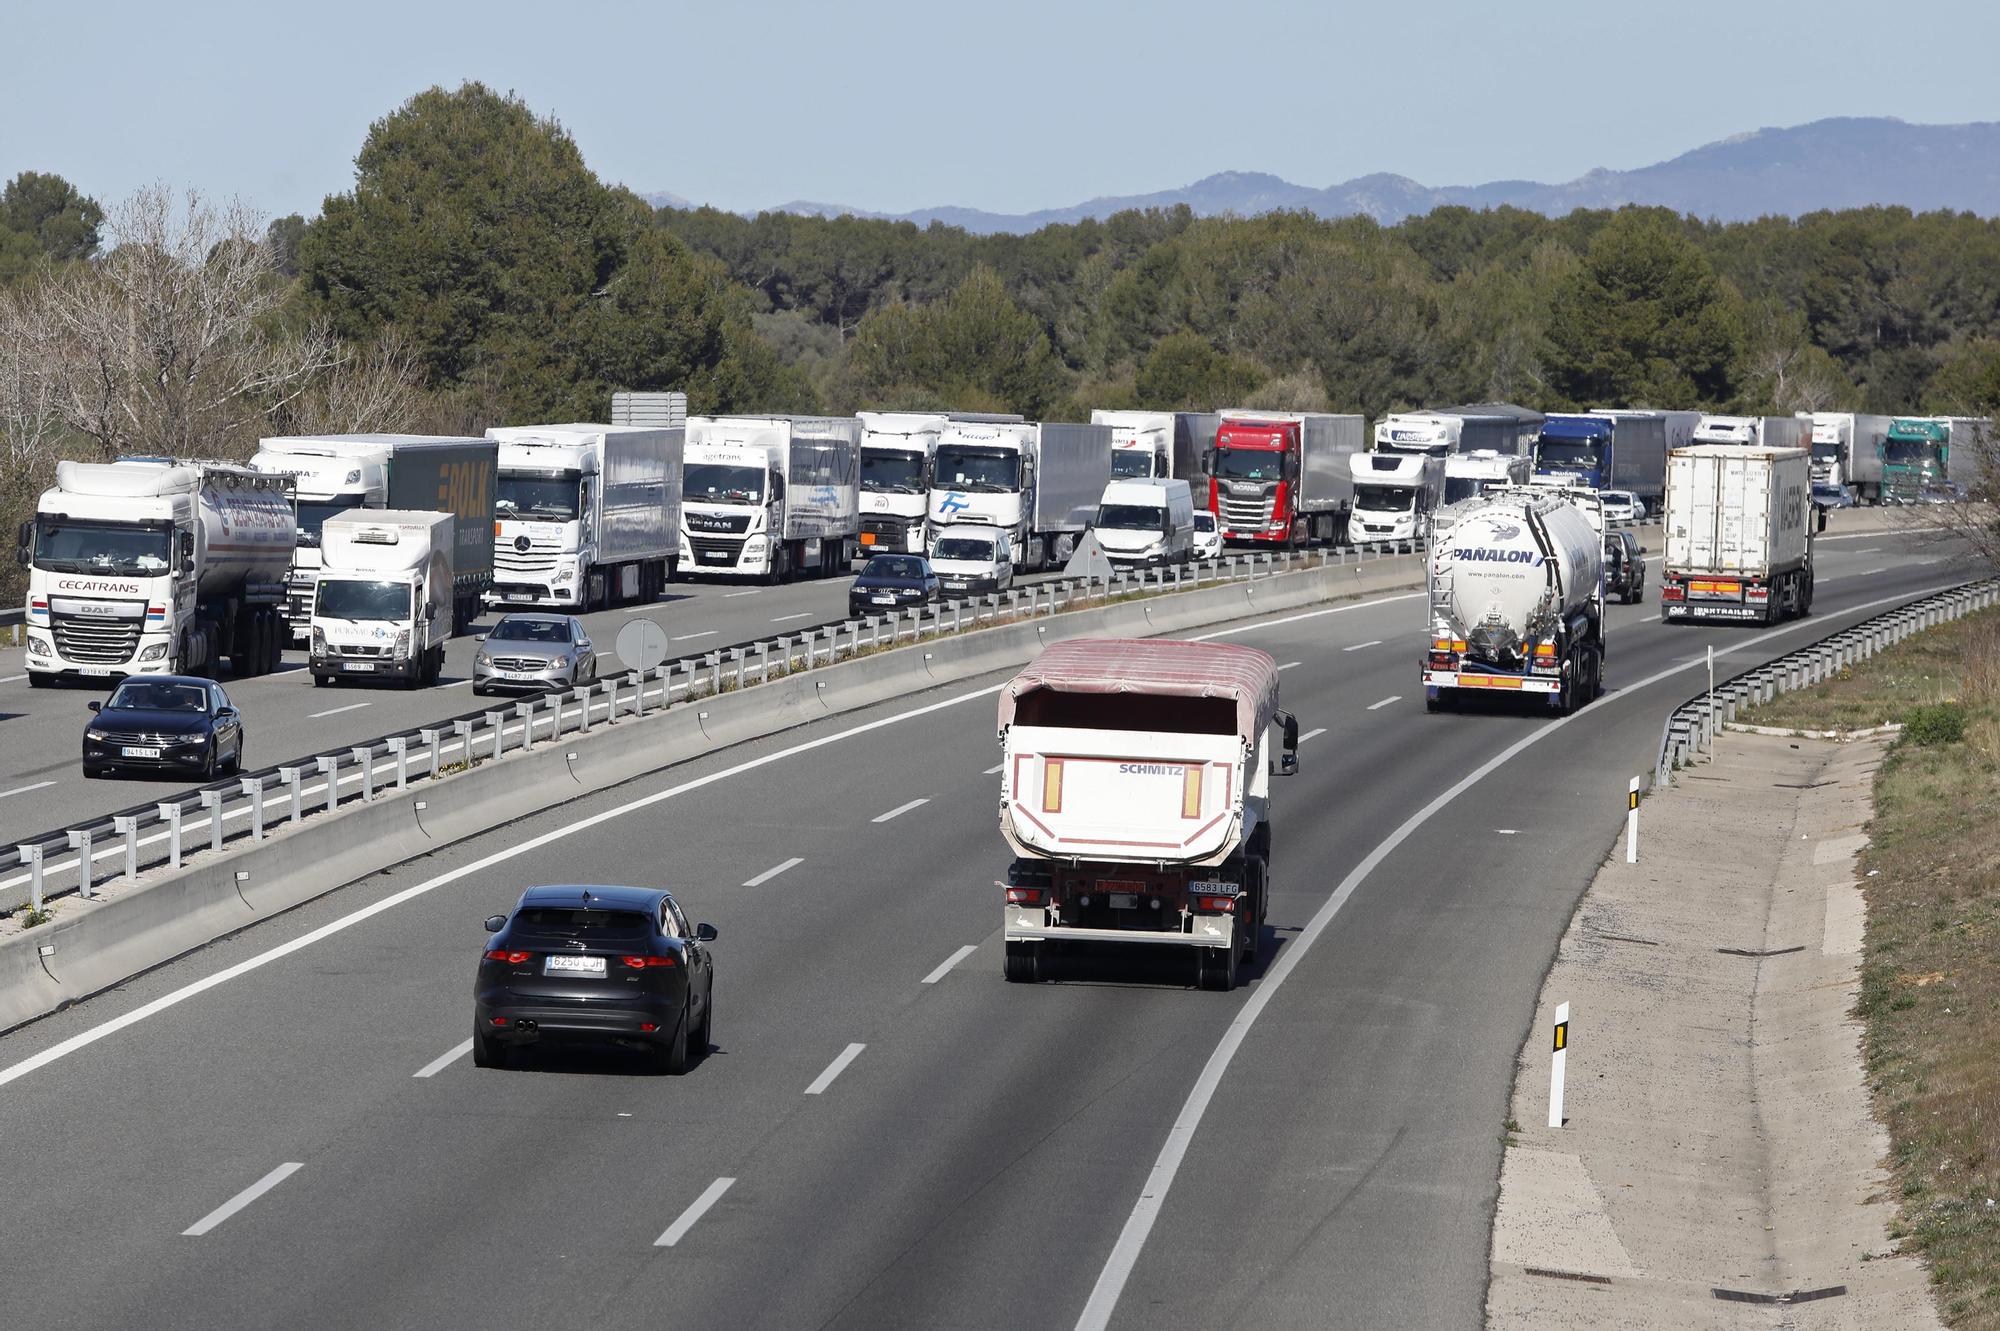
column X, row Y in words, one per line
column 1930, row 978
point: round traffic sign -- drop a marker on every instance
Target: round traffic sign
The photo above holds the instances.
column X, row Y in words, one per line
column 642, row 644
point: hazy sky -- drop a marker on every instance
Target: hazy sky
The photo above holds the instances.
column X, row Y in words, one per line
column 1012, row 106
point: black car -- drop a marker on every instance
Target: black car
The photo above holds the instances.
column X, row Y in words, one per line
column 891, row 582
column 617, row 965
column 164, row 723
column 1624, row 567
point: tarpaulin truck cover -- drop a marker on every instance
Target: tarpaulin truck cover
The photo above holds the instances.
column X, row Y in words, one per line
column 1071, row 680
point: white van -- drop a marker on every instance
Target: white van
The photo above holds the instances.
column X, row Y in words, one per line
column 970, row 558
column 1149, row 521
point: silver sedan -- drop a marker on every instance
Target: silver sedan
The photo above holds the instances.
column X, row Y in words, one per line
column 532, row 652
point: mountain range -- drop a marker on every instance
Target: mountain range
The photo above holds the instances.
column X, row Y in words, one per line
column 1847, row 162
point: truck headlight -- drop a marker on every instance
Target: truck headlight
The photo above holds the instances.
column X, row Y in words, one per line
column 319, row 642
column 157, row 652
column 39, row 646
column 566, row 574
column 402, row 648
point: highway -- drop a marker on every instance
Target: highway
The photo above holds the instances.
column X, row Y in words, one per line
column 298, row 1096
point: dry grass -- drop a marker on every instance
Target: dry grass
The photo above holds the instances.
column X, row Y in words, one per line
column 1930, row 981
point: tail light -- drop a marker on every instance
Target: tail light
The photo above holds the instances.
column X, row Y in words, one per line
column 511, row 958
column 1215, row 905
column 648, row 963
column 1445, row 652
column 1673, row 591
column 1757, row 593
column 1024, row 896
column 1545, row 656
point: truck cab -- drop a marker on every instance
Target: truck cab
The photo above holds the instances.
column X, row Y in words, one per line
column 1394, row 494
column 332, row 475
column 545, row 520
column 1916, row 460
column 732, row 507
column 382, row 606
column 1469, row 475
column 985, row 474
column 896, row 453
column 1575, row 450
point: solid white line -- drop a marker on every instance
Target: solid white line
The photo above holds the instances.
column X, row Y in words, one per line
column 1871, row 550
column 1821, row 579
column 1340, row 609
column 1372, row 642
column 803, row 614
column 900, row 810
column 709, row 1197
column 835, row 1068
column 774, row 871
column 1378, row 706
column 950, row 961
column 730, row 596
column 637, row 609
column 22, row 790
column 336, row 711
column 444, row 1060
column 1124, row 1254
column 13, row 679
column 1291, row 665
column 1311, row 734
column 242, row 1199
column 690, row 637
column 455, row 684
column 994, row 770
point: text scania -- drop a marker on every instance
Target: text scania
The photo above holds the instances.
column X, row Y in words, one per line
column 1500, row 556
column 1150, row 769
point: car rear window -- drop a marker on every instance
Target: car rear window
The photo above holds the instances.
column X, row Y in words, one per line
column 571, row 922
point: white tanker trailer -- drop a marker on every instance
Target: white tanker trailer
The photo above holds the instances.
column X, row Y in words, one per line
column 157, row 567
column 1516, row 600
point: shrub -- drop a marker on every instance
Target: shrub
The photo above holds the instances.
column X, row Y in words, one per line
column 1935, row 723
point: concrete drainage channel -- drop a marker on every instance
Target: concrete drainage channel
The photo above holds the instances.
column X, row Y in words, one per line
column 154, row 882
column 1691, row 727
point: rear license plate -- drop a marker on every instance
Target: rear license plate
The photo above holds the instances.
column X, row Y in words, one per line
column 1124, row 901
column 566, row 965
column 138, row 751
column 357, row 665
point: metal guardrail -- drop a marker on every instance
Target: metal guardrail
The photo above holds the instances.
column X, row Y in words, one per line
column 1691, row 728
column 73, row 858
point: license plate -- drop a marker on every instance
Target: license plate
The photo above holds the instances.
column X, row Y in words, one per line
column 97, row 670
column 138, row 751
column 956, row 584
column 882, row 600
column 566, row 965
column 1124, row 901
column 357, row 665
column 715, row 556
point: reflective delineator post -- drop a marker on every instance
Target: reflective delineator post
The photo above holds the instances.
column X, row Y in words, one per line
column 1556, row 1065
column 170, row 814
column 1632, row 822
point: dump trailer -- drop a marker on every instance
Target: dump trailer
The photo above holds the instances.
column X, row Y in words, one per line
column 1739, row 529
column 157, row 567
column 1135, row 796
column 1516, row 584
column 1283, row 477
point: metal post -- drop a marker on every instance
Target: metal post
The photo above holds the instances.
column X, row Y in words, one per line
column 366, row 757
column 582, row 695
column 433, row 744
column 1711, row 686
column 128, row 827
column 211, row 800
column 611, row 702
column 32, row 857
column 526, row 711
column 329, row 767
column 399, row 745
column 80, row 842
column 253, row 786
column 170, row 814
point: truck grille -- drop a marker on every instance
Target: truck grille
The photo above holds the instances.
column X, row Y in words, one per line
column 705, row 546
column 1238, row 514
column 509, row 560
column 357, row 651
column 96, row 641
column 734, row 524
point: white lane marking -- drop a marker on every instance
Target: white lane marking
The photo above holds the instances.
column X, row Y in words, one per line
column 1124, row 1254
column 1372, row 642
column 242, row 1199
column 1378, row 706
column 899, row 810
column 774, row 871
column 1924, row 563
column 1341, row 609
column 22, row 790
column 12, row 679
column 455, row 684
column 944, row 968
column 835, row 1068
column 754, row 591
column 993, row 770
column 636, row 609
column 1508, row 831
column 709, row 1197
column 1821, row 579
column 690, row 637
column 1311, row 734
column 336, row 711
column 803, row 614
column 1291, row 665
column 1871, row 550
column 444, row 1060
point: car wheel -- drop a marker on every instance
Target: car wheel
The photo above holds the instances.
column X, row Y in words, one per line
column 705, row 1037
column 487, row 1052
column 320, row 681
column 479, row 690
column 209, row 764
column 671, row 1058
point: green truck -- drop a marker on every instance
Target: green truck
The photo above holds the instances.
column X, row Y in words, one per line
column 1916, row 457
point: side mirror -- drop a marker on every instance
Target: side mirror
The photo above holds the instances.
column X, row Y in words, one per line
column 95, row 706
column 224, row 712
column 1822, row 520
column 24, row 544
column 495, row 923
column 187, row 563
column 1288, row 751
column 704, row 933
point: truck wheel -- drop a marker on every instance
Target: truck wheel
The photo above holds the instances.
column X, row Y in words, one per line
column 1215, row 969
column 38, row 680
column 1024, row 962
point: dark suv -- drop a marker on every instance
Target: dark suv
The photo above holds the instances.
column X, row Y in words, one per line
column 1624, row 567
column 616, row 965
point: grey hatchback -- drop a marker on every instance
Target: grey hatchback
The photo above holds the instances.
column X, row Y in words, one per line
column 534, row 651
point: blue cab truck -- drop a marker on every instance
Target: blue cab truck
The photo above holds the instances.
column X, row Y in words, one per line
column 1626, row 451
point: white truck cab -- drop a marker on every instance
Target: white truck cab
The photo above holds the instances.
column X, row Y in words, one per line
column 382, row 605
column 969, row 559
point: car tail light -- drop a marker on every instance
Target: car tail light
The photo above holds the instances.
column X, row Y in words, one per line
column 1215, row 905
column 511, row 958
column 1024, row 896
column 647, row 963
column 499, row 1021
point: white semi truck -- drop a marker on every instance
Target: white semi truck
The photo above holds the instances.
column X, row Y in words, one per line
column 1755, row 431
column 1469, row 475
column 382, row 604
column 1153, row 445
column 771, row 497
column 1516, row 604
column 1394, row 493
column 897, row 450
column 1135, row 795
column 334, row 473
column 1038, row 481
column 586, row 515
column 1847, row 451
column 157, row 567
column 1739, row 529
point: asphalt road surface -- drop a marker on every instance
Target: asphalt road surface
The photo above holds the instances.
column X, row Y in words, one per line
column 284, row 1129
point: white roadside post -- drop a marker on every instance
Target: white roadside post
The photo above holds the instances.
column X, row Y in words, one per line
column 1711, row 691
column 1632, row 822
column 1556, row 1063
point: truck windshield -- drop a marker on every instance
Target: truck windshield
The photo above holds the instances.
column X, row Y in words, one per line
column 722, row 483
column 1584, row 453
column 1130, row 517
column 1132, row 463
column 542, row 498
column 313, row 514
column 1910, row 452
column 1464, row 487
column 1826, row 452
column 981, row 470
column 344, row 598
column 1249, row 464
column 892, row 472
column 964, row 547
column 63, row 546
column 1385, row 498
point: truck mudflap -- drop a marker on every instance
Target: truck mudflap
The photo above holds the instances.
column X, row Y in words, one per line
column 1026, row 924
column 1474, row 679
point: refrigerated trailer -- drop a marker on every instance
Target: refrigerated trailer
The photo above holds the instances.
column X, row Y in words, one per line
column 1156, row 444
column 587, row 514
column 1739, row 534
column 771, row 497
column 1283, row 477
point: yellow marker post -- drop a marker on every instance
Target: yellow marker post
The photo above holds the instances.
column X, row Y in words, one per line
column 1556, row 1065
